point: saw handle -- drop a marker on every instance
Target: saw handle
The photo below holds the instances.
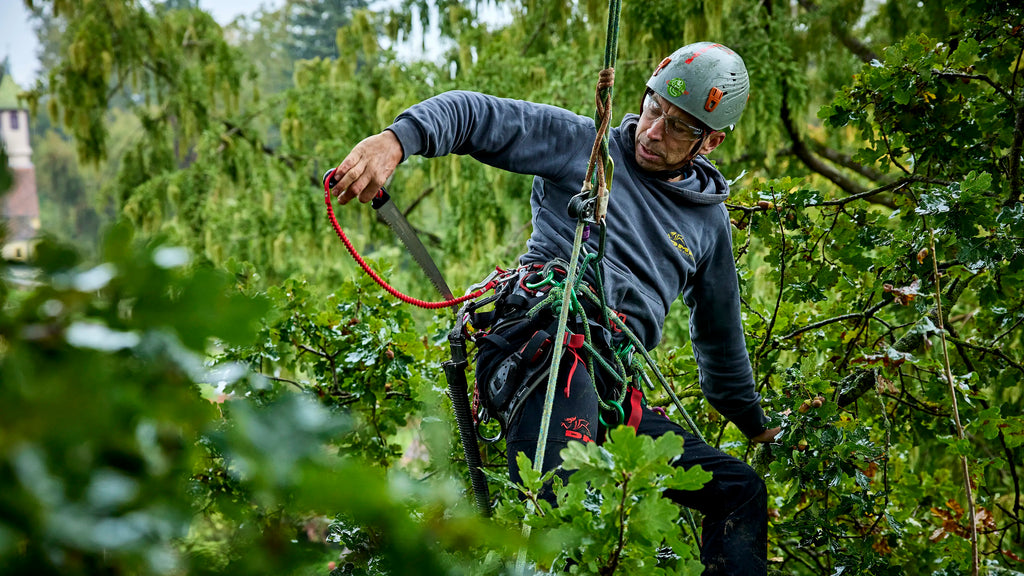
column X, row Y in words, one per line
column 379, row 200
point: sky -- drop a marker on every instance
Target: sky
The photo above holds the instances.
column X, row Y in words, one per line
column 18, row 41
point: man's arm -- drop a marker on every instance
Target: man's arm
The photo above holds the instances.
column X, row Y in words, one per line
column 767, row 436
column 716, row 333
column 513, row 135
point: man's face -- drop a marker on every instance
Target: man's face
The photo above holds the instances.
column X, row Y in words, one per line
column 666, row 136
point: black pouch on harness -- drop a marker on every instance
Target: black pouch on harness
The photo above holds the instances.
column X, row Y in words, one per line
column 506, row 357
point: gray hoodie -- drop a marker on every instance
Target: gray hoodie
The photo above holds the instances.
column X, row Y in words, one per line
column 664, row 239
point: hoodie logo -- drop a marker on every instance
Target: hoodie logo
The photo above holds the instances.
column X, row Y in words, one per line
column 680, row 243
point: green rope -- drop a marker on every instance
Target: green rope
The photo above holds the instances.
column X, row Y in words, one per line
column 661, row 379
column 569, row 295
column 563, row 321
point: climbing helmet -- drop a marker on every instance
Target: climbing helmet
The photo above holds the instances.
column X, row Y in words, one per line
column 707, row 80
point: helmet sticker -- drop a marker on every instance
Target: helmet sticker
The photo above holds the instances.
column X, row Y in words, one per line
column 714, row 97
column 676, row 87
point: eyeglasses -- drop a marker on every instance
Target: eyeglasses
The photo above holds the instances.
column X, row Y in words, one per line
column 675, row 127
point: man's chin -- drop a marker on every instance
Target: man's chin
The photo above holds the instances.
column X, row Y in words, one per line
column 651, row 164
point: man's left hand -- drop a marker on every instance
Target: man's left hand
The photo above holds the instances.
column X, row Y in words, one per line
column 767, row 436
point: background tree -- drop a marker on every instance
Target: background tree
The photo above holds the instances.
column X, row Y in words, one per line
column 314, row 26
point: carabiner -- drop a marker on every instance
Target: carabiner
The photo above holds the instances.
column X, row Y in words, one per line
column 540, row 284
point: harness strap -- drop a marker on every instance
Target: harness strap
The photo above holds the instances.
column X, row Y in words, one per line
column 574, row 342
column 635, row 408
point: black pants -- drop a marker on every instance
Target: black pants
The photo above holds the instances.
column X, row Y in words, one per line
column 734, row 502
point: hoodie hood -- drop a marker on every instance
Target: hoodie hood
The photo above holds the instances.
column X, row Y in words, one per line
column 700, row 182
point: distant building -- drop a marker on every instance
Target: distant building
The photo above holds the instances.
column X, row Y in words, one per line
column 19, row 207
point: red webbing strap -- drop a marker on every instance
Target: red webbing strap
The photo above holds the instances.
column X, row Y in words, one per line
column 366, row 267
column 635, row 408
column 574, row 342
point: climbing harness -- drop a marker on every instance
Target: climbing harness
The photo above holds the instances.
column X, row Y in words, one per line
column 522, row 341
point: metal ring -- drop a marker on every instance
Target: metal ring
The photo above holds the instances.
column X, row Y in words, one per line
column 489, row 440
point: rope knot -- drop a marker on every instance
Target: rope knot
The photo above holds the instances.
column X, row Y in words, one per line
column 605, row 81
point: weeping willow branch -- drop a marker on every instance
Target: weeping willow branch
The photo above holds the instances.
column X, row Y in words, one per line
column 841, row 29
column 845, row 160
column 803, row 152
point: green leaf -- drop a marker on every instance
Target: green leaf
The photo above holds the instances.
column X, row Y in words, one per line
column 974, row 185
column 1012, row 216
column 956, row 446
column 1013, row 430
column 530, row 478
column 938, row 201
column 652, row 518
column 693, row 478
column 577, row 455
column 805, row 292
column 965, row 53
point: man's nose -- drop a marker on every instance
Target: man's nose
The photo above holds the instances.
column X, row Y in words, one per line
column 656, row 131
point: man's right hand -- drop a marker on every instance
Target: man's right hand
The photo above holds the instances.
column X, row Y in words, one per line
column 367, row 167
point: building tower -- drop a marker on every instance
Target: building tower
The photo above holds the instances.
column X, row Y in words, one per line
column 20, row 206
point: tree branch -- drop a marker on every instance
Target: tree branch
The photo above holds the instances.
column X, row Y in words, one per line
column 856, row 315
column 842, row 31
column 804, row 153
column 284, row 381
column 536, row 33
column 898, row 184
column 949, row 74
column 782, row 283
column 855, row 384
column 846, row 161
column 237, row 130
column 993, row 351
column 1015, row 152
column 423, row 195
column 613, row 559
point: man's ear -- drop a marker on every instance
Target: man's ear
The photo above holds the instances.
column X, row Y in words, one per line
column 711, row 142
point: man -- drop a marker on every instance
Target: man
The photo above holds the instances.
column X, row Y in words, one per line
column 668, row 235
